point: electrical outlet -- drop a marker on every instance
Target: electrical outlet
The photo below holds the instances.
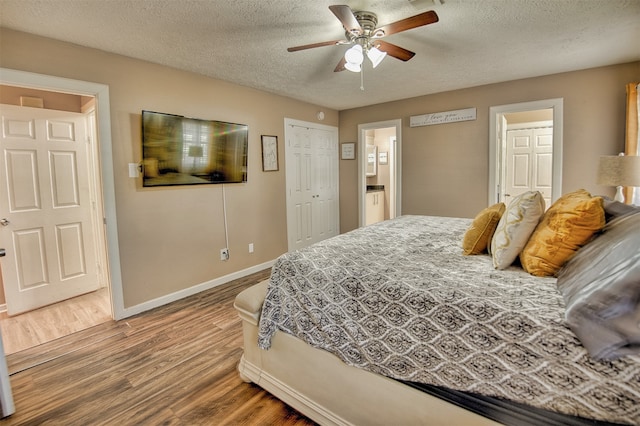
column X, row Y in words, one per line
column 224, row 254
column 250, row 247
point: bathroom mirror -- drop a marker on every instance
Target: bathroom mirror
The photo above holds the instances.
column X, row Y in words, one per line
column 372, row 163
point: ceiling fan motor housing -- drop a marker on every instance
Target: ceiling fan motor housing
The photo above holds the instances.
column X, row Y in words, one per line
column 368, row 22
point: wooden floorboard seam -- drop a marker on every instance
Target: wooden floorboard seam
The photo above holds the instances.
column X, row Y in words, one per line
column 173, row 365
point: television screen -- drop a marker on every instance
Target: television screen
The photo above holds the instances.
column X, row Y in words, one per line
column 178, row 150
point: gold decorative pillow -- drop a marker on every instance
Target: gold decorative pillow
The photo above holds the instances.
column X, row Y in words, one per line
column 568, row 225
column 479, row 234
column 515, row 226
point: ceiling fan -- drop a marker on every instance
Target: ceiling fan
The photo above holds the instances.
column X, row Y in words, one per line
column 362, row 33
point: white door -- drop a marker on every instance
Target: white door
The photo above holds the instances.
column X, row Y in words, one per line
column 300, row 192
column 529, row 160
column 312, row 184
column 324, row 198
column 46, row 208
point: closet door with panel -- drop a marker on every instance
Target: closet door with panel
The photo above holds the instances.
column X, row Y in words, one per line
column 311, row 152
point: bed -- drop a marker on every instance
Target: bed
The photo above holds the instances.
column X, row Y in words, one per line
column 393, row 324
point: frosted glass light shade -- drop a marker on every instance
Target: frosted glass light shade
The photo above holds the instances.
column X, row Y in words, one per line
column 354, row 55
column 354, row 58
column 352, row 67
column 376, row 56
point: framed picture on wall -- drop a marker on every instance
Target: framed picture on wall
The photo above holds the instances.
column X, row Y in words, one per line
column 383, row 158
column 269, row 153
column 348, row 151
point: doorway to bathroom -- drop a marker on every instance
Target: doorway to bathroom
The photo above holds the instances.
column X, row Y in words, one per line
column 379, row 171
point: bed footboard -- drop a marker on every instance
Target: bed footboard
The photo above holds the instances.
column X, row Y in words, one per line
column 326, row 390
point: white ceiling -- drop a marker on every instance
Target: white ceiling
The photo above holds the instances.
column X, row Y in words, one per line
column 475, row 42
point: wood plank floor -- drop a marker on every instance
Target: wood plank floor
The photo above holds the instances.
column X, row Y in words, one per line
column 174, row 365
column 51, row 322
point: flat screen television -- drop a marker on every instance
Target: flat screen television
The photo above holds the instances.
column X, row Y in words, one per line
column 177, row 150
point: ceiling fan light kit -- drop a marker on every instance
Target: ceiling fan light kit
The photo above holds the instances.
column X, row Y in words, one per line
column 376, row 56
column 362, row 32
column 354, row 57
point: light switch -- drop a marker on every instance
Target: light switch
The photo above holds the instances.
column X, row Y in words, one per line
column 134, row 170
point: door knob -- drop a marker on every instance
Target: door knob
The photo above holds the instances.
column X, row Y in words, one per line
column 2, row 252
column 4, row 222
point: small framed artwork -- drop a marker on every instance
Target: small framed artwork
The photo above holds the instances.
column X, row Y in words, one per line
column 269, row 153
column 383, row 158
column 348, row 151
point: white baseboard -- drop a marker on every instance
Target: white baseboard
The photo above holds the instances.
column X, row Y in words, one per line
column 3, row 308
column 151, row 304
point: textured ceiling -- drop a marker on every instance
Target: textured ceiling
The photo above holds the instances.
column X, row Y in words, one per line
column 245, row 41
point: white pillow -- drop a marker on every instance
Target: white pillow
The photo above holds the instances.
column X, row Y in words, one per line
column 515, row 227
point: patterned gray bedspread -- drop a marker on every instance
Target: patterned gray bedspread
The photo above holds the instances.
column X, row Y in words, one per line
column 399, row 299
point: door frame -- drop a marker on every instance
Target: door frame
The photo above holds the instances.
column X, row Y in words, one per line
column 362, row 165
column 497, row 138
column 101, row 94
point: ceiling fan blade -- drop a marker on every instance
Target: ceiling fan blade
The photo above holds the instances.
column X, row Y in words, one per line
column 393, row 50
column 413, row 22
column 346, row 16
column 311, row 46
column 340, row 66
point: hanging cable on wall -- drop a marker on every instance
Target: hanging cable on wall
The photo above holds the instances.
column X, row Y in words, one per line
column 224, row 219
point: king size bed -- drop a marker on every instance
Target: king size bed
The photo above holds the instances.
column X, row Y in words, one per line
column 394, row 324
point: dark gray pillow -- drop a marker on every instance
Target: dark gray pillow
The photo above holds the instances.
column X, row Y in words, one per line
column 614, row 209
column 601, row 290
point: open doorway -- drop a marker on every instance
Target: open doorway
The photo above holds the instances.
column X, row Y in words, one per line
column 525, row 144
column 379, row 171
column 54, row 274
column 102, row 132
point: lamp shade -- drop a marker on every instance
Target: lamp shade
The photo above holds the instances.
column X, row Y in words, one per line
column 195, row 151
column 619, row 170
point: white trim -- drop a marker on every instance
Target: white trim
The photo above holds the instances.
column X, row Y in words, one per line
column 530, row 125
column 362, row 165
column 497, row 112
column 101, row 93
column 6, row 396
column 207, row 285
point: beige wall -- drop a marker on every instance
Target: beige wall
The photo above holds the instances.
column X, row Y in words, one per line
column 445, row 167
column 529, row 116
column 51, row 100
column 170, row 238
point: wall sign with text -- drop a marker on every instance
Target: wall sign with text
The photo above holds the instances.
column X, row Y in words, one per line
column 442, row 117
